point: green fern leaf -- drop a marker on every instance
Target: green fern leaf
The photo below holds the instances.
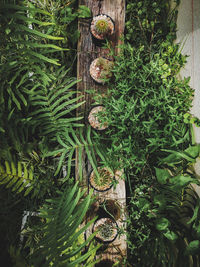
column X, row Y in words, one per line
column 16, row 178
column 57, row 246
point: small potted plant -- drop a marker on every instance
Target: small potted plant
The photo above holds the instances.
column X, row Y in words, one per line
column 102, row 26
column 104, row 181
column 101, row 70
column 94, row 120
column 106, row 229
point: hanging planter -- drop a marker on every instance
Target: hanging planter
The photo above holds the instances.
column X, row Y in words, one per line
column 106, row 230
column 102, row 27
column 103, row 182
column 101, row 70
column 93, row 119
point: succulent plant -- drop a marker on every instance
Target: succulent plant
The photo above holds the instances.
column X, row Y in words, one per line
column 94, row 120
column 101, row 69
column 106, row 229
column 102, row 26
column 103, row 182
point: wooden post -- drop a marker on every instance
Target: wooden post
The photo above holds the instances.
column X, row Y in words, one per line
column 88, row 50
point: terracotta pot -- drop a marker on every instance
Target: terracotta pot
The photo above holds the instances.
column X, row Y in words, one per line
column 101, row 70
column 106, row 230
column 94, row 120
column 102, row 27
column 103, row 182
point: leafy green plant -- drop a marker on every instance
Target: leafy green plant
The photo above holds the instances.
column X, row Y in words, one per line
column 82, row 140
column 19, row 178
column 150, row 23
column 146, row 105
column 161, row 217
column 60, row 233
column 36, row 63
column 54, row 103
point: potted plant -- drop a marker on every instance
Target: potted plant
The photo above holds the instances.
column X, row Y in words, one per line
column 101, row 70
column 94, row 119
column 106, row 229
column 102, row 26
column 104, row 181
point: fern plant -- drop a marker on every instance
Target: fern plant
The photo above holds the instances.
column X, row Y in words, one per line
column 54, row 105
column 23, row 50
column 19, row 178
column 81, row 140
column 61, row 233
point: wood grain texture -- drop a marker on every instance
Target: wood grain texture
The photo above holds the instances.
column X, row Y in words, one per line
column 88, row 50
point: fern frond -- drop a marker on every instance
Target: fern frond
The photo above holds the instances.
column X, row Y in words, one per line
column 24, row 52
column 19, row 178
column 72, row 141
column 54, row 106
column 58, row 246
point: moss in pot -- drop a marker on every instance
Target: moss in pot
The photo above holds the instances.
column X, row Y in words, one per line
column 106, row 229
column 104, row 181
column 101, row 70
column 102, row 26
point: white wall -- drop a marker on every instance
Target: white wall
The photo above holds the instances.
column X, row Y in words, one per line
column 189, row 36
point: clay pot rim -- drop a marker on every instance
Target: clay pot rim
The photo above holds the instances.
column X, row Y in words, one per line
column 97, row 105
column 98, row 80
column 102, row 39
column 99, row 190
column 116, row 227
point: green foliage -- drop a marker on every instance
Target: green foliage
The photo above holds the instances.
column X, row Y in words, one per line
column 19, row 178
column 84, row 12
column 54, row 102
column 193, row 247
column 147, row 110
column 23, row 52
column 72, row 140
column 150, row 23
column 38, row 105
column 59, row 245
column 166, row 215
column 146, row 105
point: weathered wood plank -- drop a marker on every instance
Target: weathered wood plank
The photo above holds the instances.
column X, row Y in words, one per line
column 88, row 50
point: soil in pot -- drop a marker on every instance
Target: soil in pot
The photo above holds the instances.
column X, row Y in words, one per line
column 106, row 230
column 94, row 120
column 104, row 181
column 101, row 70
